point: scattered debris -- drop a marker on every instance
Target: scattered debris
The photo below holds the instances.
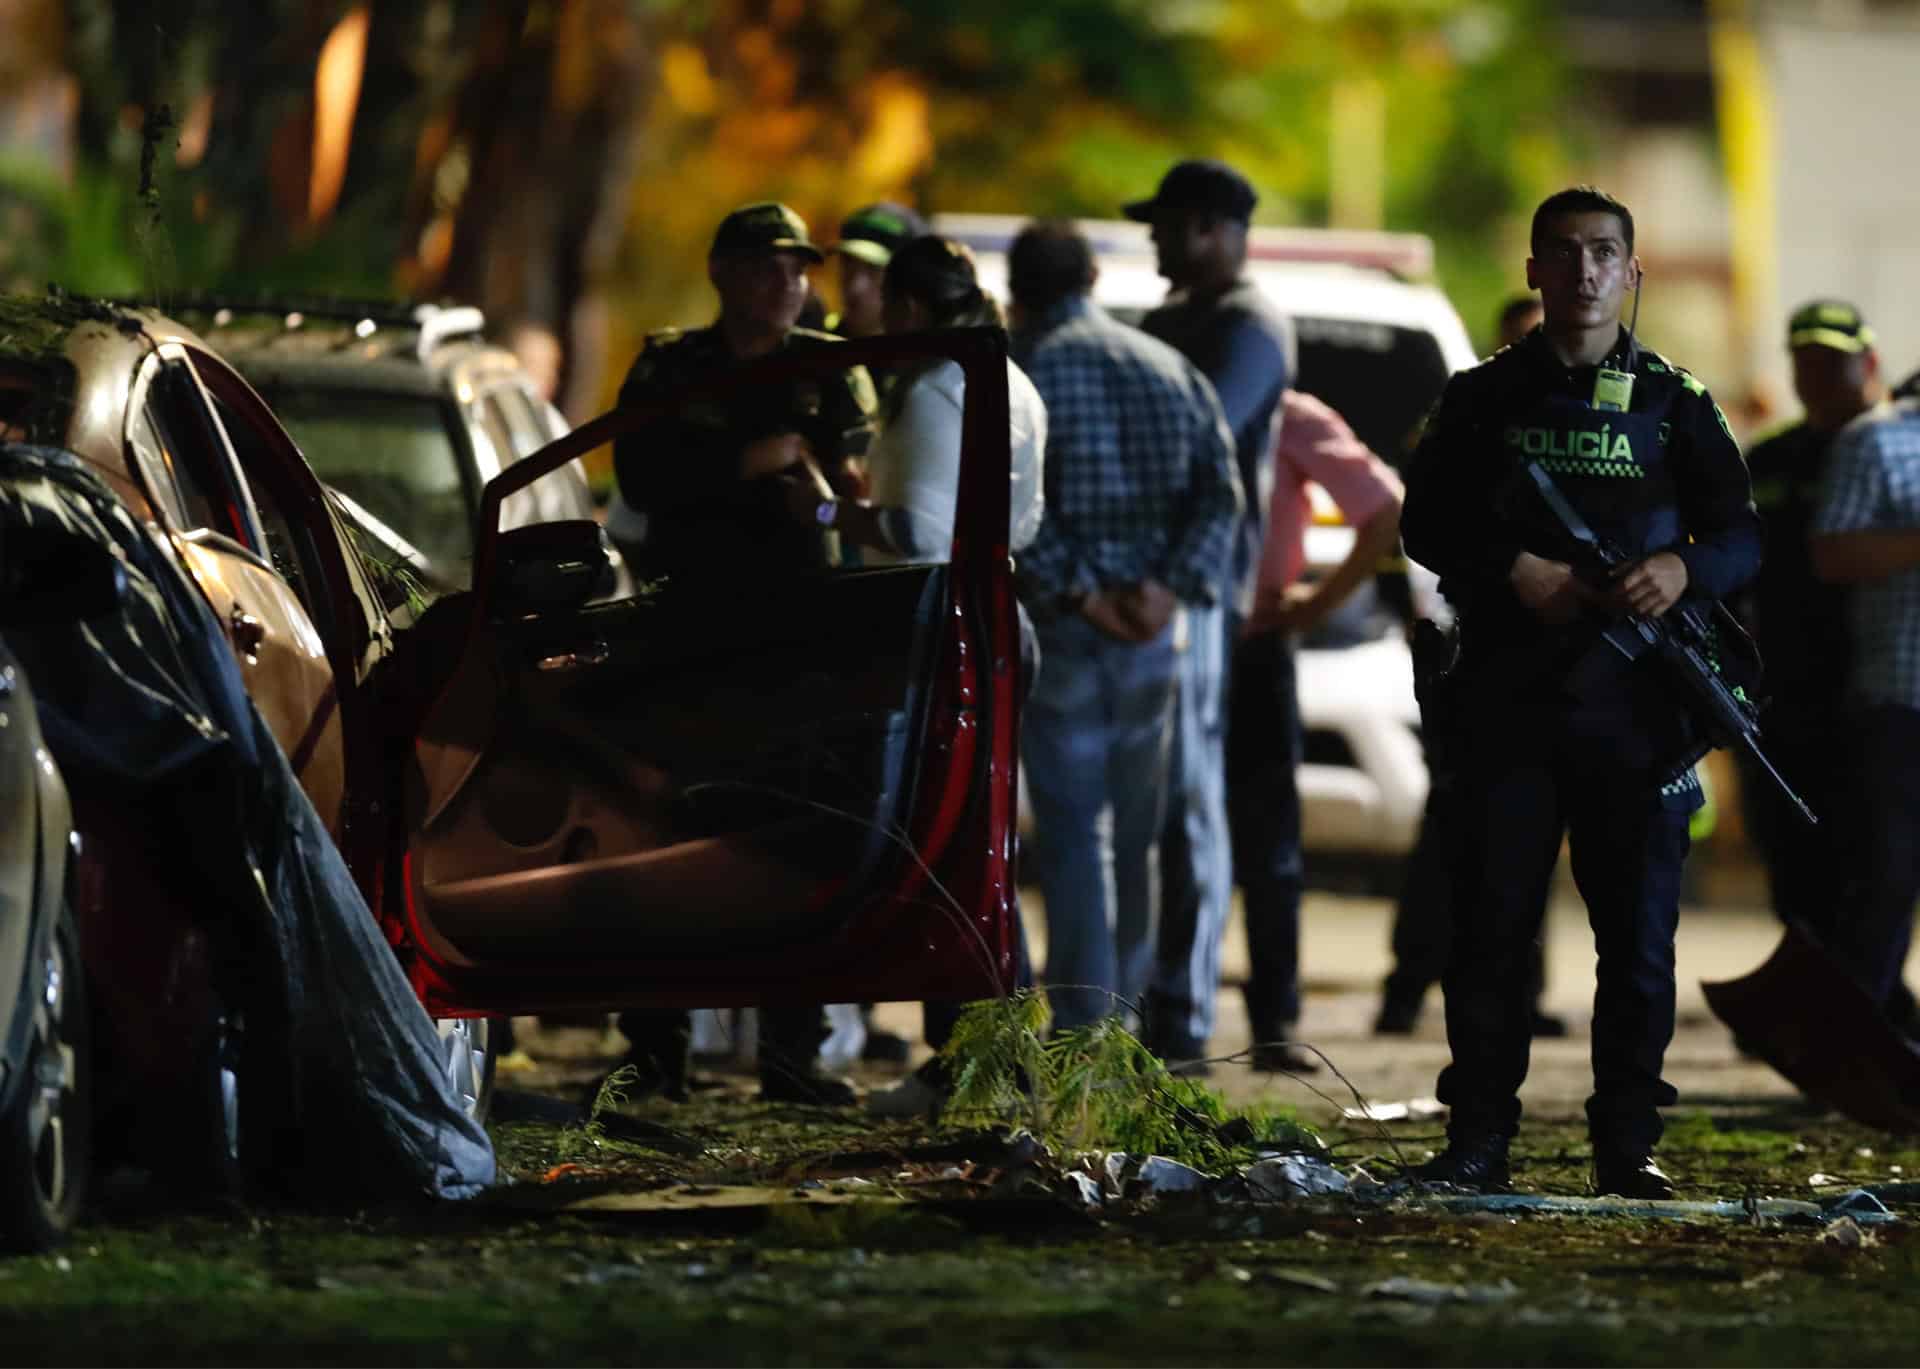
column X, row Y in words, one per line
column 1022, row 1181
column 1823, row 1180
column 1433, row 1294
column 1236, row 1131
column 1303, row 1279
column 1846, row 1233
column 1292, row 1176
column 1860, row 1205
column 1158, row 1175
column 1085, row 1190
column 1411, row 1110
column 1024, row 1148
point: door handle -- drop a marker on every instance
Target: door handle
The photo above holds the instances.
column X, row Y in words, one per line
column 248, row 632
column 586, row 654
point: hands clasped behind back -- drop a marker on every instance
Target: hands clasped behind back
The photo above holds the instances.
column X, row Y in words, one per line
column 1131, row 613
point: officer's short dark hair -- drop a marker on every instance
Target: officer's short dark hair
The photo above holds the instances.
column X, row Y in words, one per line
column 1579, row 199
column 1050, row 261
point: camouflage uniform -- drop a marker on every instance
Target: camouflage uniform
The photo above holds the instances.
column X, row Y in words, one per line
column 683, row 473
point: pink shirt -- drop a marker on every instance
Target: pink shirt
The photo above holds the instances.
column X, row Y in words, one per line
column 1315, row 444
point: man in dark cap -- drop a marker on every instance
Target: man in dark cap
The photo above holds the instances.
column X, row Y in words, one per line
column 1799, row 621
column 1229, row 812
column 868, row 239
column 713, row 482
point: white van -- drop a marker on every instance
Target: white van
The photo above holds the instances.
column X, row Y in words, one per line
column 1377, row 343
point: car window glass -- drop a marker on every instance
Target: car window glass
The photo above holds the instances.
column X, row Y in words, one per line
column 557, row 495
column 250, row 449
column 494, row 423
column 528, row 433
column 149, row 453
column 392, row 454
column 191, row 448
column 1382, row 379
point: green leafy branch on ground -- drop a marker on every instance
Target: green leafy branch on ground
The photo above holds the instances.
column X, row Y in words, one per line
column 1097, row 1087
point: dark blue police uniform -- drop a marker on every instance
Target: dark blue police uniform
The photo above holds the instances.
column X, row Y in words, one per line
column 1531, row 755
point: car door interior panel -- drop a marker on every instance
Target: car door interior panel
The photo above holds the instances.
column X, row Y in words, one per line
column 588, row 777
column 741, row 783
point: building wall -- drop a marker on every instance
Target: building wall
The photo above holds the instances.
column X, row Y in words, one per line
column 1846, row 102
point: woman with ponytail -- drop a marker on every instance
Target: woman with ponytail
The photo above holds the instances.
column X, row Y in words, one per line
column 914, row 464
column 914, row 470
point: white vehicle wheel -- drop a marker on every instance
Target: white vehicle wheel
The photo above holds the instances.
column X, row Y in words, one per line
column 468, row 1049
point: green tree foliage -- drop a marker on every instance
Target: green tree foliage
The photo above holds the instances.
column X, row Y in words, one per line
column 563, row 161
column 1075, row 106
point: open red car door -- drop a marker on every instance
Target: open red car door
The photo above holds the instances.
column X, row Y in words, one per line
column 706, row 796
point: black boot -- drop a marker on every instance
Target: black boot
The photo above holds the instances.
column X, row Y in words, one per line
column 790, row 1037
column 1399, row 1014
column 1476, row 1161
column 658, row 1054
column 1546, row 1024
column 1629, row 1174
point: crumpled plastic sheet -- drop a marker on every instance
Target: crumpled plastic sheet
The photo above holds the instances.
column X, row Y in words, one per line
column 149, row 702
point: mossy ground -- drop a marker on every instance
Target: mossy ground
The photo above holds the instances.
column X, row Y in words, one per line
column 984, row 1281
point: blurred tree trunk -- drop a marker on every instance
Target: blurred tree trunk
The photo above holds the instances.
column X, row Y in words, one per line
column 543, row 143
column 492, row 156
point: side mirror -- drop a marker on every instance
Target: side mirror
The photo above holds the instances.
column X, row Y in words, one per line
column 550, row 566
column 50, row 575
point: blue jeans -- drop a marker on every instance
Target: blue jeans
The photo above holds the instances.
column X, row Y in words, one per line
column 1196, row 858
column 1095, row 738
column 1263, row 796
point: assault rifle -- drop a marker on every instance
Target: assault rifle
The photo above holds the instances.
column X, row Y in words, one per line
column 1683, row 640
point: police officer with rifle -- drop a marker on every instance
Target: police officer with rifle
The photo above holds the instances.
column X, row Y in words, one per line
column 1568, row 709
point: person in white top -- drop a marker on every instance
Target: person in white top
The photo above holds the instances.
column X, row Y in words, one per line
column 914, row 484
column 914, row 464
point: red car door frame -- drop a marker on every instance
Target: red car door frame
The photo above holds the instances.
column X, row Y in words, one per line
column 946, row 928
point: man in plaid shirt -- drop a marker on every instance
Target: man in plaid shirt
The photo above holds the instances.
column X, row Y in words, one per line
column 1866, row 534
column 1143, row 505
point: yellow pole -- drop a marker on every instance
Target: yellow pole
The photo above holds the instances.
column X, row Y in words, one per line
column 1743, row 101
column 1358, row 153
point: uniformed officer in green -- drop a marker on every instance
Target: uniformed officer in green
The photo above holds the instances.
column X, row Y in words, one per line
column 869, row 237
column 711, row 481
column 1799, row 621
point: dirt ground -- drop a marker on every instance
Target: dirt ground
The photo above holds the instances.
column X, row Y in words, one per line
column 1345, row 955
column 726, row 1231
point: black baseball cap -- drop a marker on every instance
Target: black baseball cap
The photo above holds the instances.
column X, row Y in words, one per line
column 873, row 234
column 1203, row 184
column 755, row 229
column 1829, row 323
